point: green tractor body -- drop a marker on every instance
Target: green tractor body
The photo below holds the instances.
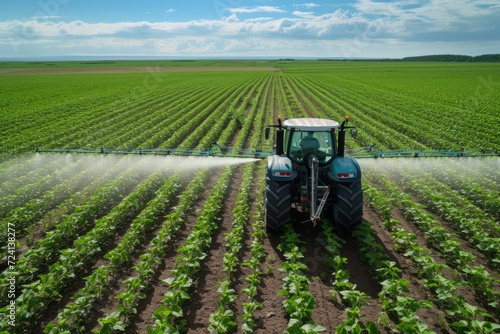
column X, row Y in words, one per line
column 310, row 174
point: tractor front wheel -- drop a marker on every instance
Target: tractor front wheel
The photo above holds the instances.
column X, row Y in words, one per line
column 277, row 204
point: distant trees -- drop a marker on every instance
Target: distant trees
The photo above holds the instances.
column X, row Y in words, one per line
column 495, row 57
column 455, row 58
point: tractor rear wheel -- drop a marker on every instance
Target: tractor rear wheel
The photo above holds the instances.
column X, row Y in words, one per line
column 277, row 204
column 348, row 209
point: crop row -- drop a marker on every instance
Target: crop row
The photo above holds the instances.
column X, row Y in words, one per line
column 385, row 122
column 150, row 260
column 38, row 258
column 129, row 298
column 257, row 254
column 223, row 320
column 467, row 219
column 336, row 104
column 38, row 294
column 170, row 314
column 463, row 316
column 95, row 123
column 344, row 292
column 24, row 216
column 299, row 303
column 136, row 230
column 450, row 249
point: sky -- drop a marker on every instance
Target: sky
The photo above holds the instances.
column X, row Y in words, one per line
column 248, row 29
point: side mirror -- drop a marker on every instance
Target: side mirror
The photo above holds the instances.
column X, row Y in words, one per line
column 268, row 131
column 354, row 133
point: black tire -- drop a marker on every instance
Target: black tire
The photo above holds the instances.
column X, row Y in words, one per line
column 277, row 204
column 348, row 209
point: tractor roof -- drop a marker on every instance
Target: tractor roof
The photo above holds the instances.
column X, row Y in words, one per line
column 311, row 124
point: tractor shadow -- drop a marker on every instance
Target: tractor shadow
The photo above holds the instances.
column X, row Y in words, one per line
column 315, row 256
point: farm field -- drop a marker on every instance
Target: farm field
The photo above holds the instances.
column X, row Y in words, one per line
column 153, row 244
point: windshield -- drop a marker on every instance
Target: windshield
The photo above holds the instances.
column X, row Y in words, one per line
column 305, row 142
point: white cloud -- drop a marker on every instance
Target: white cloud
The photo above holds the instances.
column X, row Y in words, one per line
column 231, row 18
column 170, row 10
column 434, row 15
column 303, row 14
column 371, row 29
column 259, row 19
column 257, row 9
column 307, row 5
column 45, row 17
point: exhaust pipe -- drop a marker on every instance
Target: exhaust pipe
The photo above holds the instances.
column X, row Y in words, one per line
column 341, row 143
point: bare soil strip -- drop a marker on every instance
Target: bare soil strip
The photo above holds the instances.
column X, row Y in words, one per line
column 155, row 295
column 204, row 299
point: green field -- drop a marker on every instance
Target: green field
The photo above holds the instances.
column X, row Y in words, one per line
column 129, row 243
column 395, row 104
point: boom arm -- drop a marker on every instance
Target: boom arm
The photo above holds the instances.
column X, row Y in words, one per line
column 372, row 152
column 218, row 150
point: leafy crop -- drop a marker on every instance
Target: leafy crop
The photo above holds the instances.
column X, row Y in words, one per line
column 98, row 238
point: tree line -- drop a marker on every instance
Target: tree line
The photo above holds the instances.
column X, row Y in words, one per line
column 455, row 58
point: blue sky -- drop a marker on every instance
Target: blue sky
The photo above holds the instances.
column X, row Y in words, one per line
column 244, row 28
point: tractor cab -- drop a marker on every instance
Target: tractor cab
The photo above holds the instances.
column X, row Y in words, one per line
column 303, row 136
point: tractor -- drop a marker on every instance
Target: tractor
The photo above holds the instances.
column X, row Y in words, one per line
column 308, row 173
column 309, row 170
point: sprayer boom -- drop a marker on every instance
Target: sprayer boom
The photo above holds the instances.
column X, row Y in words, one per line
column 216, row 150
column 372, row 152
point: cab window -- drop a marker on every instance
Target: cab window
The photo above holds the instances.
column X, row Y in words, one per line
column 306, row 142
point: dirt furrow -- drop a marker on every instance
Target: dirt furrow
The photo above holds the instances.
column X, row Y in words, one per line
column 157, row 290
column 271, row 318
column 204, row 298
